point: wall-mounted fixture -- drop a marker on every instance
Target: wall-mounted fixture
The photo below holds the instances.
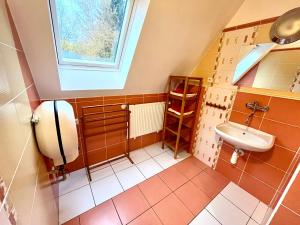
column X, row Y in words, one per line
column 214, row 105
column 286, row 29
column 254, row 106
column 56, row 135
column 245, row 138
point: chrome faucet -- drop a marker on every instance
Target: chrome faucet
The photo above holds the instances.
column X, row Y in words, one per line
column 254, row 106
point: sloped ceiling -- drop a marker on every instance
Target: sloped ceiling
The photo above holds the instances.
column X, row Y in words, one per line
column 174, row 36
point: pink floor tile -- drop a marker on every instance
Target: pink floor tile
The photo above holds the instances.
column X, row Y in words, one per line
column 154, row 189
column 190, row 167
column 74, row 221
column 218, row 177
column 192, row 197
column 171, row 211
column 130, row 204
column 173, row 178
column 104, row 214
column 147, row 218
column 208, row 184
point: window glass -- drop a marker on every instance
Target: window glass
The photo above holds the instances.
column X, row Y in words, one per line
column 90, row 31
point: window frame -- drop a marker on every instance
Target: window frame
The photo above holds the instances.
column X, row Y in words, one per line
column 81, row 64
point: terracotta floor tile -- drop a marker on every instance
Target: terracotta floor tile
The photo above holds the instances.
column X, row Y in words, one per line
column 74, row 221
column 286, row 217
column 257, row 188
column 292, row 199
column 192, row 197
column 208, row 184
column 217, row 176
column 173, row 178
column 154, row 189
column 104, row 214
column 190, row 167
column 268, row 174
column 130, row 204
column 147, row 218
column 228, row 170
column 171, row 211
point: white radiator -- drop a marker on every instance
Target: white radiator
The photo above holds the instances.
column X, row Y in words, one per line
column 146, row 118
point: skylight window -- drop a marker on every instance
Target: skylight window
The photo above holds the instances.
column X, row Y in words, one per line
column 95, row 41
column 90, row 32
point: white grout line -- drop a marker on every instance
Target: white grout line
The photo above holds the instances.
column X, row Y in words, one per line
column 264, row 114
column 255, row 210
column 284, row 194
column 18, row 95
column 16, row 170
column 290, row 209
column 264, row 118
column 237, row 205
column 35, row 188
column 285, row 177
column 211, row 215
column 115, row 173
column 12, row 47
column 92, row 195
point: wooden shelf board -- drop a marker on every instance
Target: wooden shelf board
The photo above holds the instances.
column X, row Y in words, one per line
column 181, row 97
column 177, row 116
column 171, row 142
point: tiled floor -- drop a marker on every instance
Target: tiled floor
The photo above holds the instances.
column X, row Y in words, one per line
column 77, row 195
column 185, row 193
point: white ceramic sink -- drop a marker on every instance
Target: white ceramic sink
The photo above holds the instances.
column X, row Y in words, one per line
column 245, row 138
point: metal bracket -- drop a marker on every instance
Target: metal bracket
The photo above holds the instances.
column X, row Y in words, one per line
column 34, row 119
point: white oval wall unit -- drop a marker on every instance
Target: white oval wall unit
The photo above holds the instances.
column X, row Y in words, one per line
column 55, row 131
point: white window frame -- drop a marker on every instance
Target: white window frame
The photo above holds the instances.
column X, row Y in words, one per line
column 86, row 78
column 81, row 64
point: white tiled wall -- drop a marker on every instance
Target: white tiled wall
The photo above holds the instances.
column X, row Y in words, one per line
column 22, row 169
column 208, row 143
column 222, row 92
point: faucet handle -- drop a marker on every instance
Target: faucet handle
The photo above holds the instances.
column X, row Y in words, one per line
column 255, row 106
column 252, row 105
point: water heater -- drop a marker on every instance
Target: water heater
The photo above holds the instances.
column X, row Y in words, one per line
column 55, row 131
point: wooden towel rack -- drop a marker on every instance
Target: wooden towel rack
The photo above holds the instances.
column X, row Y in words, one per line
column 103, row 119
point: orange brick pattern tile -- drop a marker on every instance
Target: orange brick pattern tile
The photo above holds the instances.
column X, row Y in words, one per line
column 103, row 147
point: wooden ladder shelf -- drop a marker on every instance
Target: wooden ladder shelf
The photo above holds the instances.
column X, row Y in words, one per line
column 179, row 127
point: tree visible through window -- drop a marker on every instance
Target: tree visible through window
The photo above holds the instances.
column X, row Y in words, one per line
column 90, row 31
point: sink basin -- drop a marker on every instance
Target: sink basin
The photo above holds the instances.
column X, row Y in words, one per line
column 245, row 138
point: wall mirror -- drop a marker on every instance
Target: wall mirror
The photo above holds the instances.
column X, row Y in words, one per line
column 269, row 66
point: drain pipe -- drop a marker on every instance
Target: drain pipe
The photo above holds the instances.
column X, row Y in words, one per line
column 235, row 155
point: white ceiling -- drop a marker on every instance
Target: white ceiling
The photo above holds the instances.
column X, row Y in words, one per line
column 174, row 36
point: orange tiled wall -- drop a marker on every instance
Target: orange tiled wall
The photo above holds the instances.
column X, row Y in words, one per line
column 106, row 146
column 265, row 174
column 22, row 168
column 289, row 210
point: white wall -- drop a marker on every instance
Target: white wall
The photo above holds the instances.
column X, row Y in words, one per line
column 174, row 36
column 254, row 10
